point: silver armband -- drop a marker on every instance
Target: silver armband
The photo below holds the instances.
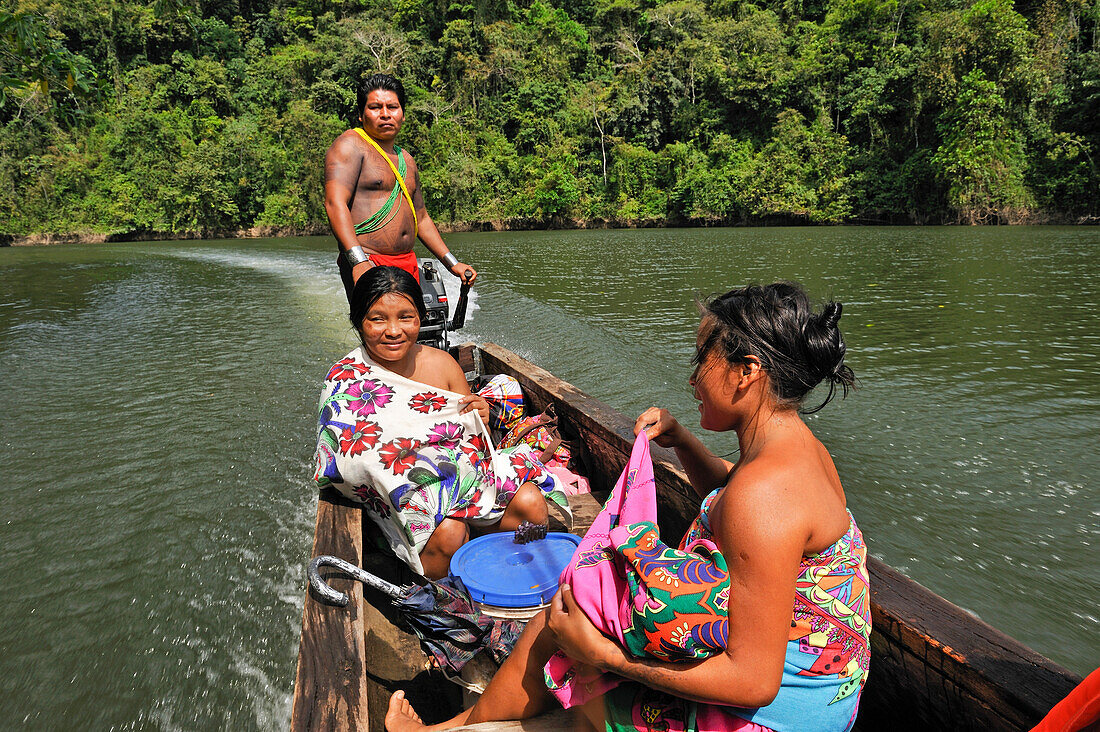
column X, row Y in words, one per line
column 355, row 256
column 449, row 260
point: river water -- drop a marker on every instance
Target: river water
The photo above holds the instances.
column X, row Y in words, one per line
column 158, row 400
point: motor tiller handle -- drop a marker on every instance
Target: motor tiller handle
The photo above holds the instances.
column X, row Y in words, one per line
column 459, row 319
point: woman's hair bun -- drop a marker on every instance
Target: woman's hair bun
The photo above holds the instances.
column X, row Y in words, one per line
column 829, row 352
column 830, row 316
column 777, row 325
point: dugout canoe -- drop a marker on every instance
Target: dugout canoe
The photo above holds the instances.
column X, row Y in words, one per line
column 934, row 666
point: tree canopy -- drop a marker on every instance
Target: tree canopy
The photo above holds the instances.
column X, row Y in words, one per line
column 199, row 117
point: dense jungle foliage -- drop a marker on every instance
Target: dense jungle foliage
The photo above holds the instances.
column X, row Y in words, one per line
column 195, row 116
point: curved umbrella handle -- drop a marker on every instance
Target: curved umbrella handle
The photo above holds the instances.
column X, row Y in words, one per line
column 340, row 598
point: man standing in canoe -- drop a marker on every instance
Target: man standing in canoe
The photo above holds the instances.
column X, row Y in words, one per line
column 372, row 191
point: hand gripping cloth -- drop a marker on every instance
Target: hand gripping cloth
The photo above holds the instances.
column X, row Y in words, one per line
column 653, row 599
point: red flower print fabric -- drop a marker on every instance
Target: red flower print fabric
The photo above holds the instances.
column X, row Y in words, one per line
column 427, row 402
column 399, row 455
column 403, row 450
column 347, row 368
column 355, row 439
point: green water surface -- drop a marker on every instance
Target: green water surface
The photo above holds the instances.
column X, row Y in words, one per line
column 158, row 399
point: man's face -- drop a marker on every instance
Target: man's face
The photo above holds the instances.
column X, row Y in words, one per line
column 382, row 116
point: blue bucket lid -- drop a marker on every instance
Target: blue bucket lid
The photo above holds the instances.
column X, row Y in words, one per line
column 499, row 572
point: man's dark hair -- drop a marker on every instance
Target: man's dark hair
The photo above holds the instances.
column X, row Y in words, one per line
column 379, row 81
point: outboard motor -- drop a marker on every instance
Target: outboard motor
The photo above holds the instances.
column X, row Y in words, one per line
column 435, row 329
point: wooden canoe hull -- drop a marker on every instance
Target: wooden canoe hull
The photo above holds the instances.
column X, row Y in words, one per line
column 934, row 666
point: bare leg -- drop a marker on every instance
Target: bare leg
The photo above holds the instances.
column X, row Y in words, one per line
column 444, row 542
column 517, row 691
column 591, row 715
column 528, row 504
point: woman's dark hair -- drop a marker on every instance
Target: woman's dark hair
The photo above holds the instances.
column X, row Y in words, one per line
column 379, row 281
column 797, row 347
column 378, row 81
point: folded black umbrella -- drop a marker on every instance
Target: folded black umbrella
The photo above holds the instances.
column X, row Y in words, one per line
column 441, row 614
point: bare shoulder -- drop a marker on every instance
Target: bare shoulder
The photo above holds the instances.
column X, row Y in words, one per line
column 766, row 501
column 439, row 359
column 441, row 370
column 791, row 492
column 347, row 144
column 342, row 161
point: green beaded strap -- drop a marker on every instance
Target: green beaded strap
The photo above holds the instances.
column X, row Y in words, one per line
column 383, row 216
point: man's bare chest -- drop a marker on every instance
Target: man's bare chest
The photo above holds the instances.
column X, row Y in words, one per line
column 375, row 176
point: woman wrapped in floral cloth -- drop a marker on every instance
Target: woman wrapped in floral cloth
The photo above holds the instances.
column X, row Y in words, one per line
column 400, row 432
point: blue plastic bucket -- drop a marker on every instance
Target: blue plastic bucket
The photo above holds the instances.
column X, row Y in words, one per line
column 513, row 580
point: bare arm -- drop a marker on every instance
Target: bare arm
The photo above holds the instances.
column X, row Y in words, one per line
column 705, row 470
column 429, row 232
column 342, row 165
column 763, row 545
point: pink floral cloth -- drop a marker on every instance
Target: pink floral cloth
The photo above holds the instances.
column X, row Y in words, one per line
column 601, row 591
column 403, row 450
column 684, row 597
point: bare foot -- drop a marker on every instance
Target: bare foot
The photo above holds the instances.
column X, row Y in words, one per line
column 400, row 717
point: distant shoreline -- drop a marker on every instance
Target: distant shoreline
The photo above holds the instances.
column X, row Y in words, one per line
column 511, row 224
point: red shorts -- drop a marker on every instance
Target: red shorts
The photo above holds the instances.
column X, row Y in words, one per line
column 406, row 261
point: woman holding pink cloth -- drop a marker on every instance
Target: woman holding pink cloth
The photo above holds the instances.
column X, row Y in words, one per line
column 796, row 638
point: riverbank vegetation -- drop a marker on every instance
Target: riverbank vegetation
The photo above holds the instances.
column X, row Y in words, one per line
column 187, row 116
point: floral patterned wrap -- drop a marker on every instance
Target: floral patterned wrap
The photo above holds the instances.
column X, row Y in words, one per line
column 403, row 450
column 656, row 600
